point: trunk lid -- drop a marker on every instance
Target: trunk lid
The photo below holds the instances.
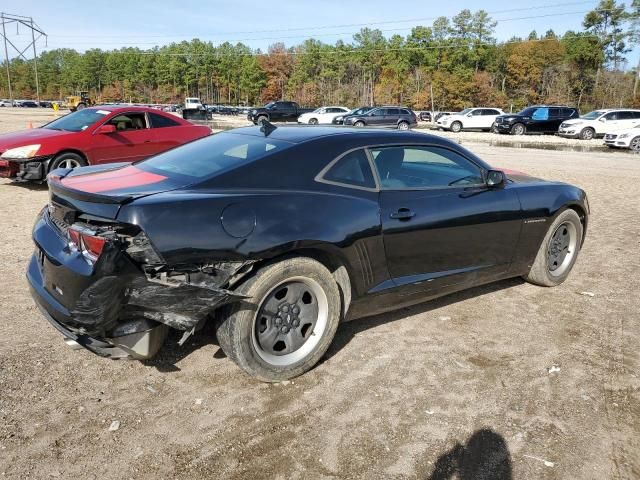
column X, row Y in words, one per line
column 100, row 191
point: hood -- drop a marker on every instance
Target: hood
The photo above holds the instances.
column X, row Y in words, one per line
column 28, row 137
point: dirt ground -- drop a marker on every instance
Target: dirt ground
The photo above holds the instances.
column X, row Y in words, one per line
column 547, row 378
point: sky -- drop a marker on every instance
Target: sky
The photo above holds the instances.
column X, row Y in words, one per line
column 258, row 23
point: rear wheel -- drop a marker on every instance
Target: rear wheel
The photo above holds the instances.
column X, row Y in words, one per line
column 517, row 129
column 456, row 127
column 403, row 126
column 68, row 160
column 287, row 321
column 359, row 123
column 587, row 133
column 558, row 251
column 634, row 146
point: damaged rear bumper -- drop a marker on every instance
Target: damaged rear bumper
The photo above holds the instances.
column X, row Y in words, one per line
column 113, row 308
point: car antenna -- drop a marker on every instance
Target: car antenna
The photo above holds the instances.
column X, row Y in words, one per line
column 267, row 127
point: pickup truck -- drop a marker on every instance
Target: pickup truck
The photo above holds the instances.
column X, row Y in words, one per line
column 277, row 112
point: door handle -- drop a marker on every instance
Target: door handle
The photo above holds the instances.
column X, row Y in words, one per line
column 403, row 214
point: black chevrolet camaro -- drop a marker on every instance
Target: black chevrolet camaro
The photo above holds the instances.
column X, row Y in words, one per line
column 277, row 234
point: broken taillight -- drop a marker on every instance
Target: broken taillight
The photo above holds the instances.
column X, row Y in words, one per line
column 86, row 242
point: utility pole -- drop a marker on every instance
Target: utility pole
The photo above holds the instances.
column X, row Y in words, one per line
column 28, row 22
column 6, row 58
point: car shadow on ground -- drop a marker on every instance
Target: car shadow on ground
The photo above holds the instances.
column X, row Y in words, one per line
column 35, row 186
column 351, row 328
column 172, row 353
column 485, row 455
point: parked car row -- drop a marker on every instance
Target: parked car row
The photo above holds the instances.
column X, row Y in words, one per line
column 26, row 103
column 619, row 127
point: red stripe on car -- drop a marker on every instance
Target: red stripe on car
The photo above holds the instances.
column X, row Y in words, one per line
column 114, row 180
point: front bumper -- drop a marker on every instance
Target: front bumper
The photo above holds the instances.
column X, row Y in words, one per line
column 8, row 169
column 616, row 141
column 502, row 127
column 569, row 132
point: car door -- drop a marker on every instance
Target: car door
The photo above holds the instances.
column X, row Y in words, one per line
column 376, row 117
column 133, row 139
column 555, row 119
column 441, row 224
column 626, row 119
column 539, row 120
column 390, row 117
column 166, row 133
column 474, row 119
column 610, row 121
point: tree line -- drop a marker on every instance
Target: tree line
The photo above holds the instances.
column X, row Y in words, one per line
column 451, row 64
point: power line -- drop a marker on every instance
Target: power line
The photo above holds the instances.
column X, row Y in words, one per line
column 326, row 27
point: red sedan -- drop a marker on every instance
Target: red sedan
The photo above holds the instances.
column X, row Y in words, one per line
column 93, row 136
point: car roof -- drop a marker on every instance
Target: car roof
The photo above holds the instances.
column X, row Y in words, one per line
column 121, row 108
column 304, row 133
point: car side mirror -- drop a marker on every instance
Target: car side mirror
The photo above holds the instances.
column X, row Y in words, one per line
column 469, row 114
column 106, row 129
column 602, row 119
column 496, row 178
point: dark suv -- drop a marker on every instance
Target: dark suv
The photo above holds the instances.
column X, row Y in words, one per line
column 339, row 120
column 536, row 119
column 400, row 117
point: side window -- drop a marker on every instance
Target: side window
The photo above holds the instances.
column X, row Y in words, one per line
column 392, row 111
column 377, row 112
column 404, row 111
column 478, row 112
column 567, row 112
column 636, row 115
column 541, row 114
column 352, row 169
column 160, row 121
column 554, row 113
column 490, row 111
column 415, row 167
column 129, row 121
column 611, row 116
column 625, row 115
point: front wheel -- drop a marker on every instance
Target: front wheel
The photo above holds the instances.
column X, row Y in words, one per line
column 517, row 129
column 286, row 322
column 587, row 134
column 558, row 251
column 313, row 121
column 68, row 160
column 456, row 127
column 261, row 119
column 403, row 126
column 358, row 124
column 634, row 146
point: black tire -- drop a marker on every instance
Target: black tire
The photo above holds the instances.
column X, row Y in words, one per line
column 403, row 125
column 261, row 118
column 313, row 121
column 587, row 134
column 67, row 160
column 634, row 145
column 518, row 129
column 543, row 272
column 238, row 328
column 456, row 127
column 494, row 129
column 359, row 123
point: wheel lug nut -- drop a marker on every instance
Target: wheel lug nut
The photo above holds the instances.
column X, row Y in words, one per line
column 296, row 323
column 285, row 308
column 284, row 329
column 296, row 309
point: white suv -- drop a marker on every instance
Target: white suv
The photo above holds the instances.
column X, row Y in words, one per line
column 597, row 123
column 322, row 115
column 470, row 118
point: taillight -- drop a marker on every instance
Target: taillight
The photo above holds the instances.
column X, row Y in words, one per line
column 88, row 244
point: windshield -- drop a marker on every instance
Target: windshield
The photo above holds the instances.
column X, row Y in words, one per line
column 212, row 155
column 359, row 111
column 77, row 121
column 593, row 115
column 465, row 111
column 527, row 112
column 270, row 104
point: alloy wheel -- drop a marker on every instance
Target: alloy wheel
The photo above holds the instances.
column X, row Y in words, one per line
column 635, row 145
column 69, row 163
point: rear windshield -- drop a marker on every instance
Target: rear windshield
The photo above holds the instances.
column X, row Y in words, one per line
column 77, row 121
column 212, row 155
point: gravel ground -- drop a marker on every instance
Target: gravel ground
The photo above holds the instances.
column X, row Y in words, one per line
column 547, row 378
